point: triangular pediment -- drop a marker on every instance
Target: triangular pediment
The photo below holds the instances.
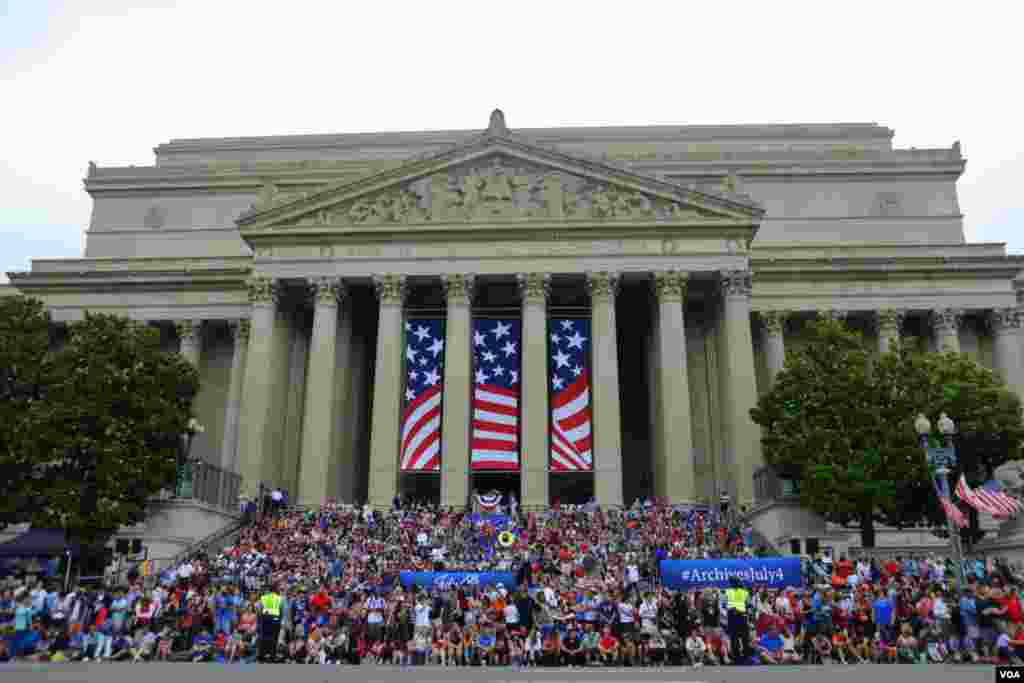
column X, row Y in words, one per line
column 498, row 177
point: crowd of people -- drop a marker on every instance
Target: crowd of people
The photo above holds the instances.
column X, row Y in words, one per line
column 325, row 586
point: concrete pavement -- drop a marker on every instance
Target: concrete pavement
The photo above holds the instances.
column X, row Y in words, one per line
column 160, row 672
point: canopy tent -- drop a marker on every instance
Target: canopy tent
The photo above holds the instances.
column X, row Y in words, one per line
column 39, row 543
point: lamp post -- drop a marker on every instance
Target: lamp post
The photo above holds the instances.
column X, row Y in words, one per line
column 194, row 427
column 943, row 460
column 723, row 502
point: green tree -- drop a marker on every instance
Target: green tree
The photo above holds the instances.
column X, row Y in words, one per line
column 840, row 420
column 95, row 430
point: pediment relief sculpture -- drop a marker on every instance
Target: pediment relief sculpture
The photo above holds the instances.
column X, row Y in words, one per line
column 496, row 190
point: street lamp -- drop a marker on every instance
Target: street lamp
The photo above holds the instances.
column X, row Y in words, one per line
column 723, row 502
column 943, row 460
column 191, row 429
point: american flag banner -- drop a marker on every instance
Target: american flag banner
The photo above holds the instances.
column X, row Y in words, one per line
column 989, row 497
column 953, row 513
column 422, row 393
column 495, row 421
column 569, row 352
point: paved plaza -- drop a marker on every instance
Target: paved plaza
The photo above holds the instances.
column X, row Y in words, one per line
column 298, row 673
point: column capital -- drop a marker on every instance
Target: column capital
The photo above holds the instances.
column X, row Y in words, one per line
column 459, row 287
column 834, row 314
column 1005, row 320
column 946, row 320
column 737, row 284
column 774, row 322
column 326, row 291
column 602, row 284
column 188, row 330
column 534, row 287
column 669, row 285
column 889, row 319
column 263, row 291
column 239, row 329
column 390, row 289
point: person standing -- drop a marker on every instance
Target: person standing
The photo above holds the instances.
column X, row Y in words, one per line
column 739, row 631
column 270, row 623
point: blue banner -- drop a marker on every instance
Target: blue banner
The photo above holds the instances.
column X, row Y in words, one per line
column 499, row 522
column 771, row 572
column 451, row 580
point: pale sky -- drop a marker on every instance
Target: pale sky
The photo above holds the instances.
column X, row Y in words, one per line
column 108, row 80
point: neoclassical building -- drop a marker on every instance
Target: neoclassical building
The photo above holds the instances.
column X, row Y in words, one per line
column 294, row 272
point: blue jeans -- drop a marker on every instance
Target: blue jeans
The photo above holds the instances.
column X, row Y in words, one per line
column 18, row 642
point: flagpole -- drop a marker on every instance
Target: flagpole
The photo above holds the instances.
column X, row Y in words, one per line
column 941, row 459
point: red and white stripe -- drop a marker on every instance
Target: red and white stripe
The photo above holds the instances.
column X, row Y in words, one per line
column 421, row 433
column 570, row 427
column 495, row 442
column 993, row 502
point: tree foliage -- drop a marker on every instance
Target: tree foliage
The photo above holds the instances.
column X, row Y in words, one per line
column 840, row 420
column 91, row 426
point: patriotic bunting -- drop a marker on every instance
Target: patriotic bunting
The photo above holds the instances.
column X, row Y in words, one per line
column 422, row 393
column 569, row 352
column 495, row 419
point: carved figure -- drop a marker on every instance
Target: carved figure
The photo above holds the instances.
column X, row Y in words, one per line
column 1011, row 475
column 471, row 193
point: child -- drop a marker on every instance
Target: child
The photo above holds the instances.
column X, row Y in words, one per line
column 822, row 648
column 907, row 646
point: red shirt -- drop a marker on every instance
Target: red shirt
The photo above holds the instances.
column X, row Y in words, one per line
column 608, row 642
column 1013, row 610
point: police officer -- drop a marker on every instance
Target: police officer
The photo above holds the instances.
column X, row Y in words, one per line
column 270, row 623
column 739, row 631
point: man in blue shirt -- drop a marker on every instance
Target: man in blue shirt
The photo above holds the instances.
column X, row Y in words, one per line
column 969, row 616
column 885, row 616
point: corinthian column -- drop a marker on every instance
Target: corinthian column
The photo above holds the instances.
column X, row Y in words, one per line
column 255, row 452
column 458, row 386
column 232, row 411
column 743, row 436
column 607, row 422
column 889, row 322
column 774, row 341
column 534, row 411
column 387, row 385
column 674, row 471
column 946, row 328
column 316, row 475
column 190, row 342
column 1006, row 328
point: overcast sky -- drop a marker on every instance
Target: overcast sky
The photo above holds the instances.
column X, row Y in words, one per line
column 110, row 83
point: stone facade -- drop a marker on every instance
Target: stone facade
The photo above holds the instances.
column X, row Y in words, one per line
column 283, row 268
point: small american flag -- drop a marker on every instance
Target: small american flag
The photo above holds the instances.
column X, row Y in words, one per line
column 989, row 497
column 571, row 449
column 423, row 390
column 495, row 443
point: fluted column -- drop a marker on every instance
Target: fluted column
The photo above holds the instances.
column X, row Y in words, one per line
column 534, row 413
column 315, row 471
column 386, row 388
column 607, row 422
column 674, row 471
column 254, row 449
column 774, row 342
column 232, row 411
column 458, row 386
column 744, row 440
column 190, row 341
column 889, row 322
column 945, row 324
column 1006, row 330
